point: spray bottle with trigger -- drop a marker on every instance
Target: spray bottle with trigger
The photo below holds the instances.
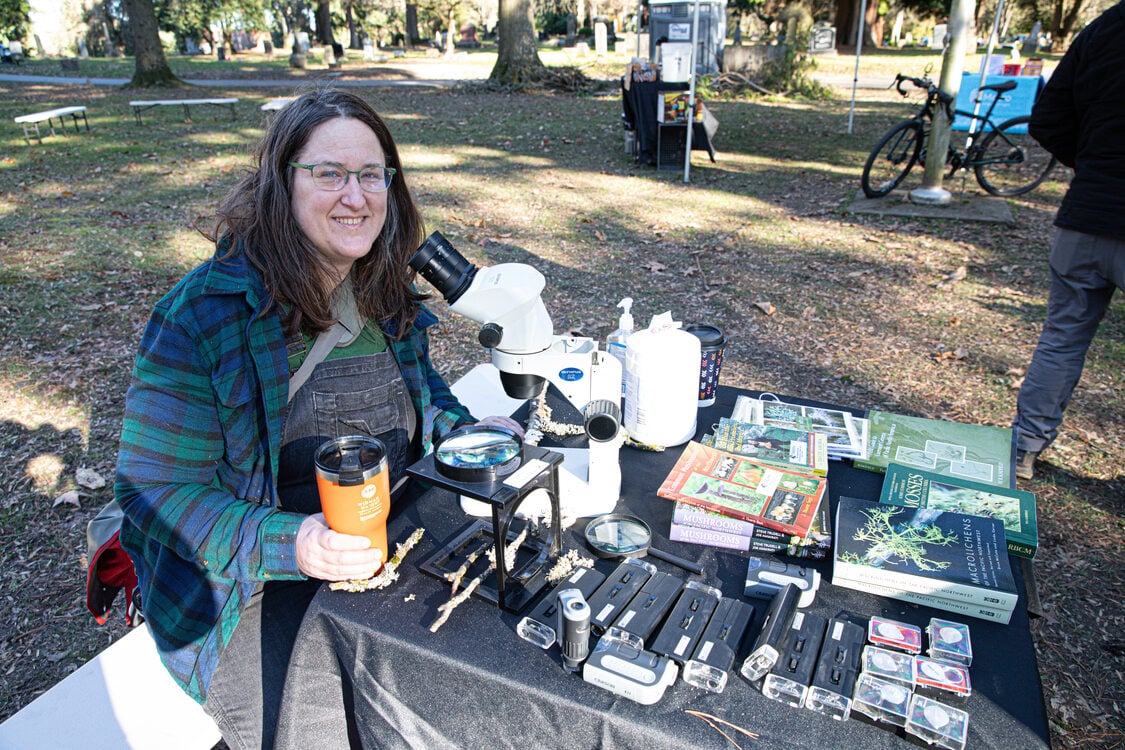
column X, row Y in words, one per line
column 617, row 342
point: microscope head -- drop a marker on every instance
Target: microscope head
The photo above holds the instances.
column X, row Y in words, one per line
column 503, row 298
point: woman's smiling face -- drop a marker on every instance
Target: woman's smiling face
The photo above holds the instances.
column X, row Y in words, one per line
column 342, row 224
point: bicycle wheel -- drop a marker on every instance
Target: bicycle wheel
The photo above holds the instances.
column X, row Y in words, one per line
column 892, row 159
column 1011, row 162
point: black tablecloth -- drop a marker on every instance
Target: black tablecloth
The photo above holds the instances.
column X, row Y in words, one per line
column 639, row 103
column 366, row 669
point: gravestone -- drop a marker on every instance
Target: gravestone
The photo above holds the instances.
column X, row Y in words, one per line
column 822, row 40
column 368, row 50
column 302, row 43
column 39, row 46
column 83, row 52
column 1031, row 45
column 571, row 29
column 601, row 39
column 110, row 48
column 938, row 40
column 468, row 36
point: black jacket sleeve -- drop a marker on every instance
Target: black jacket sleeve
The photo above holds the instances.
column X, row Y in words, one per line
column 1055, row 119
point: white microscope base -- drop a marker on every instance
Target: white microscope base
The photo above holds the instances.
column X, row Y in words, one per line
column 575, row 500
column 483, row 395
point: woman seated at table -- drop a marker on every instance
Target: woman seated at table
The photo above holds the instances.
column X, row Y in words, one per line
column 215, row 473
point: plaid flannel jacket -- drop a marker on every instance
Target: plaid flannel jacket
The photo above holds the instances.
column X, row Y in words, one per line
column 198, row 463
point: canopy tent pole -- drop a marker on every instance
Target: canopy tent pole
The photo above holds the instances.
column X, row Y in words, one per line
column 691, row 92
column 985, row 63
column 858, row 52
column 640, row 9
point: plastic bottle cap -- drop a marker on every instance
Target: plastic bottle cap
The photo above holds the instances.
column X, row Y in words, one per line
column 625, row 322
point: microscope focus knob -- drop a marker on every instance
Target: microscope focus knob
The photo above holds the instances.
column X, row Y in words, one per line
column 490, row 335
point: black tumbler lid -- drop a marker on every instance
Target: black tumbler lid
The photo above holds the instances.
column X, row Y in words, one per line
column 709, row 335
column 350, row 460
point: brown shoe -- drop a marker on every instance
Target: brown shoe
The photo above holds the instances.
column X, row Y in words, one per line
column 1025, row 464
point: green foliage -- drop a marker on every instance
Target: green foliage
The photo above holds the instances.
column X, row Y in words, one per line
column 790, row 74
column 551, row 23
column 193, row 19
column 928, row 8
column 14, row 19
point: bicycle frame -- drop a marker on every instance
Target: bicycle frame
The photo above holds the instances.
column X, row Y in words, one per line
column 980, row 124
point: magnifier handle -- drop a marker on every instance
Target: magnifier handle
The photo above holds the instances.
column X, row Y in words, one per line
column 679, row 562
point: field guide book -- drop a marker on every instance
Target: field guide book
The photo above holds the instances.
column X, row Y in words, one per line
column 939, row 553
column 741, row 488
column 776, row 446
column 958, row 450
column 918, row 488
column 957, row 606
column 846, row 434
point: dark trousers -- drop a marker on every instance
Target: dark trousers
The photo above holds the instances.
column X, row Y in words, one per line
column 245, row 693
column 1085, row 272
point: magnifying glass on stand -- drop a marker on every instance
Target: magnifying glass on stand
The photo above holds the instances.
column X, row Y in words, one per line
column 616, row 536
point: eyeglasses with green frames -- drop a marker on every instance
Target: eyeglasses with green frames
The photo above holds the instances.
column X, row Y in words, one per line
column 334, row 177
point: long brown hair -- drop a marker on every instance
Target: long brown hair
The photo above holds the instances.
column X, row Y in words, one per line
column 256, row 218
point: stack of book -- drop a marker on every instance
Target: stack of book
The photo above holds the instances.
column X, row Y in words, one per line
column 978, row 453
column 777, row 446
column 938, row 558
column 698, row 526
column 737, row 502
column 846, row 433
column 917, row 488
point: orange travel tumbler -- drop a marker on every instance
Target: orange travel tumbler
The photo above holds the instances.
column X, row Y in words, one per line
column 355, row 489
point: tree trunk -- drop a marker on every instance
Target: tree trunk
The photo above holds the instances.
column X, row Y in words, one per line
column 1066, row 24
column 451, row 35
column 324, row 23
column 847, row 21
column 354, row 42
column 411, row 25
column 873, row 25
column 151, row 67
column 517, row 54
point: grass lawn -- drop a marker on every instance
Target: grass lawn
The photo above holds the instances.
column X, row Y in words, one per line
column 816, row 302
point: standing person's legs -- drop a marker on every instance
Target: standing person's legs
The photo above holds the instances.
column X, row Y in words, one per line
column 245, row 693
column 1084, row 272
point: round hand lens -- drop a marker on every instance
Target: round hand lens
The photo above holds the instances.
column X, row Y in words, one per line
column 477, row 453
column 617, row 536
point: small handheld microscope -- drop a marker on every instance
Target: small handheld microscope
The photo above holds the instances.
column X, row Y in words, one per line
column 515, row 326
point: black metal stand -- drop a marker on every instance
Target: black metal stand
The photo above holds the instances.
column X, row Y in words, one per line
column 518, row 584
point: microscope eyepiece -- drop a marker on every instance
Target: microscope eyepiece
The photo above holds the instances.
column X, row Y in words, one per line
column 440, row 264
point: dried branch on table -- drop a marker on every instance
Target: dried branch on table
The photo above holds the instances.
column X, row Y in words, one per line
column 386, row 576
column 540, row 421
column 509, row 557
column 633, row 443
column 714, row 721
column 455, row 576
column 566, row 564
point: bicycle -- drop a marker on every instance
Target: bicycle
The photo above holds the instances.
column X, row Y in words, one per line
column 1005, row 159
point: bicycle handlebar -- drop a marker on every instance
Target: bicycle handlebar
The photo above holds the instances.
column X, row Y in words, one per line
column 931, row 90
